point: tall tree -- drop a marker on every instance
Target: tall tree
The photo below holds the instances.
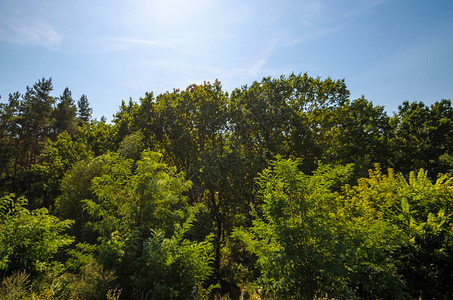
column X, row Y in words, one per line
column 10, row 143
column 35, row 120
column 65, row 114
column 283, row 116
column 83, row 109
column 192, row 129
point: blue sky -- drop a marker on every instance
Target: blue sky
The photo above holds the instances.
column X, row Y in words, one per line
column 387, row 50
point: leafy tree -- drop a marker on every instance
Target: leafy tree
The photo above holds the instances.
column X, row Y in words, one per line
column 310, row 241
column 175, row 268
column 76, row 187
column 411, row 141
column 15, row 286
column 132, row 146
column 420, row 213
column 28, row 120
column 150, row 198
column 57, row 158
column 190, row 128
column 143, row 117
column 189, row 123
column 422, row 137
column 29, row 239
column 354, row 132
column 268, row 117
column 303, row 229
column 123, row 120
column 295, row 238
column 142, row 217
column 98, row 136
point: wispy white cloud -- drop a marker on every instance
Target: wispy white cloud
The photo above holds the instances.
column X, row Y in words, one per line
column 256, row 67
column 314, row 34
column 126, row 43
column 328, row 17
column 38, row 34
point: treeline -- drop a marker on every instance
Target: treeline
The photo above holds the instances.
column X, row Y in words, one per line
column 283, row 189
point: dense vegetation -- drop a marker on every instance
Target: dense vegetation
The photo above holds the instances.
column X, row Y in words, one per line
column 283, row 189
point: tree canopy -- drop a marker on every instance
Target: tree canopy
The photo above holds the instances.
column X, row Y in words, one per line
column 286, row 188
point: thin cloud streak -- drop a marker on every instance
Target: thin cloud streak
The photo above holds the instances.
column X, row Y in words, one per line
column 314, row 34
column 136, row 42
column 256, row 67
column 16, row 32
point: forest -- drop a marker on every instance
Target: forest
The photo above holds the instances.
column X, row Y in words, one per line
column 283, row 189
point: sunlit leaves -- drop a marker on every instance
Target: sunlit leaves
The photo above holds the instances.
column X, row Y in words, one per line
column 29, row 239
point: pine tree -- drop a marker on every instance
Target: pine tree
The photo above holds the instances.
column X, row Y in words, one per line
column 84, row 110
column 65, row 113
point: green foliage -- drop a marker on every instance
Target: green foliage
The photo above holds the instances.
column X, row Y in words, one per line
column 83, row 278
column 29, row 120
column 422, row 137
column 83, row 110
column 386, row 237
column 307, row 118
column 138, row 211
column 124, row 120
column 29, row 239
column 79, row 257
column 9, row 205
column 36, row 113
column 269, row 115
column 159, row 267
column 65, row 114
column 93, row 283
column 132, row 146
column 187, row 124
column 75, row 187
column 174, row 268
column 9, row 139
column 57, row 158
column 355, row 131
column 190, row 129
column 420, row 213
column 149, row 197
column 99, row 136
column 303, row 228
column 298, row 239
